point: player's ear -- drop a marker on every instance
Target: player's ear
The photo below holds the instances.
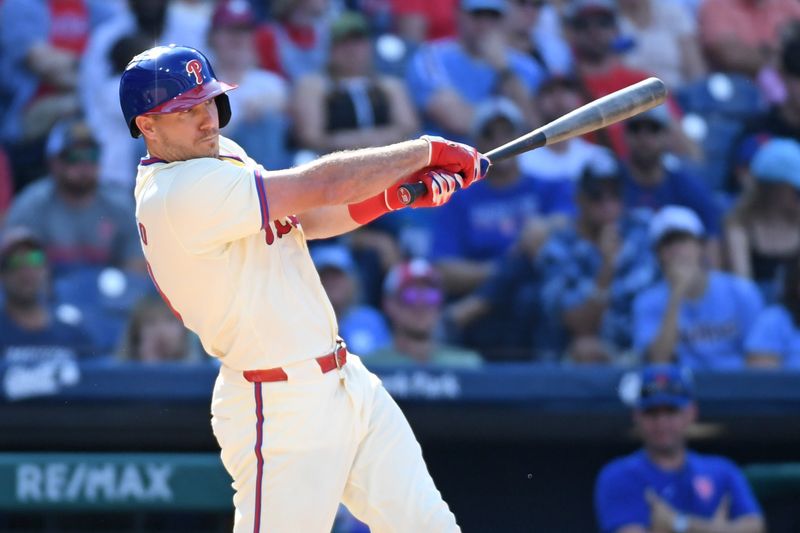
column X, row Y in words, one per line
column 145, row 125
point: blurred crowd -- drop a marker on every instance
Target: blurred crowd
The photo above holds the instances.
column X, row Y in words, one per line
column 671, row 237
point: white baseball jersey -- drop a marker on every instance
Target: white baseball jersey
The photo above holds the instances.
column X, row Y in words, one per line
column 244, row 283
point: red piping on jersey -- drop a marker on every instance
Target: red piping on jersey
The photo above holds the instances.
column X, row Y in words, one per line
column 259, row 457
column 262, row 198
column 163, row 296
column 151, row 160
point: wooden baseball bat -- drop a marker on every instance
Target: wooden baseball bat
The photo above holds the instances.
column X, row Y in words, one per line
column 597, row 114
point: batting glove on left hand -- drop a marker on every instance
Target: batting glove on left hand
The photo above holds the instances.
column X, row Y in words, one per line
column 457, row 158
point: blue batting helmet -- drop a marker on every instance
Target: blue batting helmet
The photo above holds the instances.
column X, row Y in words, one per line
column 165, row 79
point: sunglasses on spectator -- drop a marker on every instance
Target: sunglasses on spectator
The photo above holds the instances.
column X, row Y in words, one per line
column 645, row 126
column 81, row 155
column 18, row 260
column 421, row 296
column 599, row 20
column 486, row 13
column 603, row 193
column 538, row 4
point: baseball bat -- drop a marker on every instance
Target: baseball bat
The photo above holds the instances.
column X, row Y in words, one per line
column 597, row 114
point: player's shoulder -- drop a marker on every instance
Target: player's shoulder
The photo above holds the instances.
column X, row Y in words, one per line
column 622, row 468
column 711, row 463
column 229, row 147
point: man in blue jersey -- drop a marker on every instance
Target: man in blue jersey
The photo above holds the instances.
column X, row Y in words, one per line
column 665, row 487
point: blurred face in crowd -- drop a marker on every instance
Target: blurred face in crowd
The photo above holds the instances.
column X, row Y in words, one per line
column 647, row 141
column 592, row 34
column 601, row 203
column 477, row 25
column 497, row 132
column 557, row 100
column 679, row 248
column 351, row 56
column 182, row 135
column 339, row 286
column 75, row 169
column 778, row 197
column 523, row 14
column 663, row 429
column 24, row 275
column 161, row 336
column 415, row 309
column 233, row 47
column 792, row 84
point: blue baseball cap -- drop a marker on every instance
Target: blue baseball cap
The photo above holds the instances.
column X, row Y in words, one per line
column 777, row 161
column 485, row 5
column 675, row 219
column 665, row 386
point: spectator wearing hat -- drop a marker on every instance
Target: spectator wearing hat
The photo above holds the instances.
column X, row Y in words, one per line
column 654, row 179
column 504, row 212
column 449, row 78
column 361, row 326
column 664, row 38
column 665, row 487
column 79, row 221
column 593, row 269
column 560, row 164
column 762, row 232
column 259, row 119
column 774, row 341
column 350, row 105
column 295, row 42
column 534, row 28
column 743, row 35
column 413, row 301
column 696, row 317
column 31, row 334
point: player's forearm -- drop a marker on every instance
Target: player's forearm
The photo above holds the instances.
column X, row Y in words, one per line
column 343, row 178
column 662, row 350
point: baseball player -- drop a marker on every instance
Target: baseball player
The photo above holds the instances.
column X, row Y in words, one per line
column 301, row 423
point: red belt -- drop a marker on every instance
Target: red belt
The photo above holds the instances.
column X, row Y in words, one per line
column 336, row 359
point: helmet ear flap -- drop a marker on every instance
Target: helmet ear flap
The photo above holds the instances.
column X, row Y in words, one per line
column 223, row 109
column 135, row 133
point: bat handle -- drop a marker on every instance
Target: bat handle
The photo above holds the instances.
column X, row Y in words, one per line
column 409, row 192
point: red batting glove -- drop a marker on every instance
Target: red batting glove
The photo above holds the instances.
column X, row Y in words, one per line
column 456, row 158
column 441, row 186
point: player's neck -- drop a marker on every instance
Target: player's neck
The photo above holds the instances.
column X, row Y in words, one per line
column 667, row 460
column 29, row 317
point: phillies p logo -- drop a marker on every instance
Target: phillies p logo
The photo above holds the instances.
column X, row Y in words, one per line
column 194, row 68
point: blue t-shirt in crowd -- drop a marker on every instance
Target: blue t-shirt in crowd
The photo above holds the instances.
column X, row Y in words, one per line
column 679, row 187
column 712, row 328
column 482, row 222
column 696, row 489
column 776, row 333
column 58, row 340
column 444, row 64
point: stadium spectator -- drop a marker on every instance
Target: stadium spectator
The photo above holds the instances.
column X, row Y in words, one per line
column 591, row 27
column 504, row 211
column 762, row 232
column 664, row 39
column 417, row 21
column 155, row 335
column 362, row 327
column 697, row 317
column 41, row 43
column 593, row 269
column 534, row 28
column 413, row 302
column 665, row 486
column 449, row 78
column 350, row 105
column 6, row 185
column 774, row 341
column 559, row 164
column 654, row 180
column 743, row 35
column 296, row 42
column 259, row 119
column 79, row 220
column 31, row 334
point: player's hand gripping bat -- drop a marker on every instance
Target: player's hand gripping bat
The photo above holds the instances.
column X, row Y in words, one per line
column 597, row 114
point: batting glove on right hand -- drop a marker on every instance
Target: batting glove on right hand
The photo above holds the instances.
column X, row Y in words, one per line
column 457, row 158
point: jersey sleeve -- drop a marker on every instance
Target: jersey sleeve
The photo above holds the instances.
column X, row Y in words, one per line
column 768, row 334
column 619, row 500
column 743, row 502
column 212, row 203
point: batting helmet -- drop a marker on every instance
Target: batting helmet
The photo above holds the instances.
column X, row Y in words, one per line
column 165, row 79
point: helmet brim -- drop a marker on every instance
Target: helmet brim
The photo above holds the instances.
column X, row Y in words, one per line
column 192, row 97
